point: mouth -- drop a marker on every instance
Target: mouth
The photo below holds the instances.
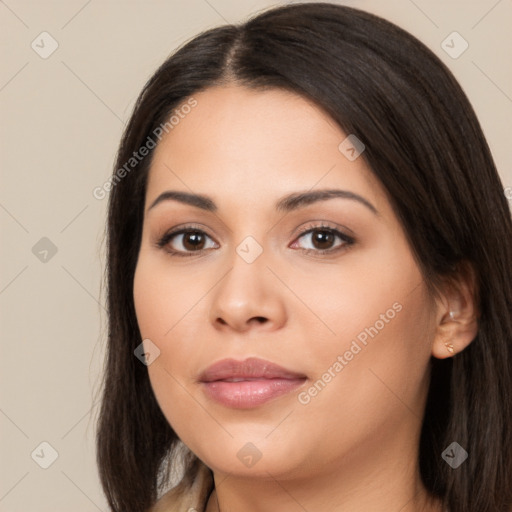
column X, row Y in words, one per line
column 249, row 383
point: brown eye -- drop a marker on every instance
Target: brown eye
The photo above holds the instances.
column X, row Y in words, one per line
column 185, row 242
column 193, row 240
column 322, row 240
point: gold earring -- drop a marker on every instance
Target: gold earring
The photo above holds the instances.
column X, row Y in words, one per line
column 449, row 347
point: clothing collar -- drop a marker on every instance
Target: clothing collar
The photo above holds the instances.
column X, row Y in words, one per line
column 183, row 498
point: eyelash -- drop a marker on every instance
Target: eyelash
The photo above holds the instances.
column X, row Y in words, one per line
column 167, row 237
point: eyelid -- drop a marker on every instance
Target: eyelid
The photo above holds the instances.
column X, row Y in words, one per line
column 319, row 224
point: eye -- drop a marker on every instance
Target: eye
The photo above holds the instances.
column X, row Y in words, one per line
column 185, row 241
column 322, row 239
column 191, row 240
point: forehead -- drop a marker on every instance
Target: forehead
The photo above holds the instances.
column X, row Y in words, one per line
column 253, row 144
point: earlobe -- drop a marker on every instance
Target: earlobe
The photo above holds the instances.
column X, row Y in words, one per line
column 444, row 344
column 457, row 314
column 454, row 334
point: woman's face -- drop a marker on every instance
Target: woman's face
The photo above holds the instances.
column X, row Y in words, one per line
column 346, row 314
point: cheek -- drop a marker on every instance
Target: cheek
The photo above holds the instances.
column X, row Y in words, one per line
column 375, row 298
column 377, row 365
column 162, row 297
column 374, row 346
column 362, row 391
column 169, row 312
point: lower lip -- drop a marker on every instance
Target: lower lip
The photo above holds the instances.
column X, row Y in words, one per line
column 247, row 394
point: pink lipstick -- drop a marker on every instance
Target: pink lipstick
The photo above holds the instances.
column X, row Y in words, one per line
column 249, row 383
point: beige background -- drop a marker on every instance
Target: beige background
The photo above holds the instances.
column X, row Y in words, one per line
column 62, row 118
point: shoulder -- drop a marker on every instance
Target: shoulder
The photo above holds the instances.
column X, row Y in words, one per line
column 185, row 498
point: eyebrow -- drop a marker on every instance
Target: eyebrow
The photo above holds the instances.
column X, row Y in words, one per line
column 287, row 203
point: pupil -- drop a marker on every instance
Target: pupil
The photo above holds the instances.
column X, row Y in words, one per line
column 322, row 237
column 192, row 239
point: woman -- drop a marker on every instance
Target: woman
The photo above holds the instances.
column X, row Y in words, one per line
column 309, row 279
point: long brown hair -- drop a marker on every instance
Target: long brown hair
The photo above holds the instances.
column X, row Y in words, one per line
column 425, row 145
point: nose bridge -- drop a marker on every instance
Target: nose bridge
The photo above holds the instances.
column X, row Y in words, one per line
column 245, row 281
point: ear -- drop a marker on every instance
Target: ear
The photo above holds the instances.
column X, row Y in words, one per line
column 456, row 313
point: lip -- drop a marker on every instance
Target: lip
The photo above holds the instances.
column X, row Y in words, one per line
column 249, row 383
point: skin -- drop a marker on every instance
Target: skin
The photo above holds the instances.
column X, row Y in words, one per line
column 353, row 446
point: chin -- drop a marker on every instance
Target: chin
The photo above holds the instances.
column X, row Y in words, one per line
column 257, row 459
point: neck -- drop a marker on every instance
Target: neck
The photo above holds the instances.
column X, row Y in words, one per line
column 386, row 483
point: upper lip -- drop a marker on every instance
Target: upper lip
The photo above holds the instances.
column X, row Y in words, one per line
column 251, row 368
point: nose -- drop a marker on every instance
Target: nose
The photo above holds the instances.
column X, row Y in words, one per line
column 249, row 296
